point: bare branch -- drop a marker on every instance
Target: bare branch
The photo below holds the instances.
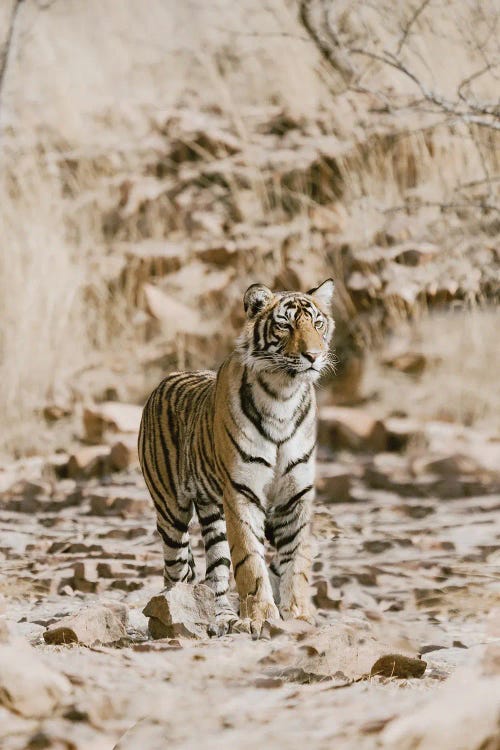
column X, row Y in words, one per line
column 4, row 53
column 406, row 30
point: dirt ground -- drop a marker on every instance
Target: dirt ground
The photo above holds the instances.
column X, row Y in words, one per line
column 401, row 566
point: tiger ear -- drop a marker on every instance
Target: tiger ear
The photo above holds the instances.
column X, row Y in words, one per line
column 255, row 298
column 323, row 293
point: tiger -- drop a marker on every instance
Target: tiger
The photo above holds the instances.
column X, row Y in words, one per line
column 238, row 447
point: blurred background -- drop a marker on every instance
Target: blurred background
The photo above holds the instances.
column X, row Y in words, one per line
column 158, row 159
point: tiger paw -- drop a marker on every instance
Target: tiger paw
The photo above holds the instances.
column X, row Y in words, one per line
column 259, row 611
column 297, row 612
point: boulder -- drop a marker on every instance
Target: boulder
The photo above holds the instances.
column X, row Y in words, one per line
column 89, row 626
column 333, row 482
column 123, row 453
column 184, row 610
column 110, row 416
column 88, row 461
column 461, row 715
column 27, row 686
column 353, row 429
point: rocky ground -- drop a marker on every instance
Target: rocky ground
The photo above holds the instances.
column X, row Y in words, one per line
column 407, row 527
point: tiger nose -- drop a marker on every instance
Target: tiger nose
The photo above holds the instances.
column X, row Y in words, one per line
column 312, row 355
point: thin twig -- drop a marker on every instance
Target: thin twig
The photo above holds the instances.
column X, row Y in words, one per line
column 5, row 52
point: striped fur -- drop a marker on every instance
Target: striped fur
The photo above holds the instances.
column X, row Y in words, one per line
column 238, row 446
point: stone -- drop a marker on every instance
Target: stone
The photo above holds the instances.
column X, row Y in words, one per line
column 350, row 428
column 89, row 626
column 411, row 363
column 460, row 715
column 88, row 461
column 333, row 483
column 174, row 316
column 186, row 610
column 123, row 453
column 110, row 416
column 27, row 686
column 324, row 598
column 85, row 577
column 397, row 665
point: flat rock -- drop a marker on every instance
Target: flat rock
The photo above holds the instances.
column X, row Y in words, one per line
column 27, row 686
column 110, row 416
column 461, row 715
column 333, row 482
column 185, row 610
column 93, row 625
column 353, row 429
column 88, row 461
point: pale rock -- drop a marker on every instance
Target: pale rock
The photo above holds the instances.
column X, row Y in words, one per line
column 184, row 610
column 341, row 648
column 325, row 596
column 354, row 429
column 27, row 686
column 175, row 317
column 124, row 453
column 460, row 715
column 85, row 577
column 88, row 461
column 89, row 626
column 110, row 416
column 333, row 482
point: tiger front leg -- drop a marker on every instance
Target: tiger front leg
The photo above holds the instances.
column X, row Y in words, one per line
column 291, row 522
column 245, row 516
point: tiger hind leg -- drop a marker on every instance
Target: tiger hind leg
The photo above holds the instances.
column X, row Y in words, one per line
column 172, row 523
column 218, row 562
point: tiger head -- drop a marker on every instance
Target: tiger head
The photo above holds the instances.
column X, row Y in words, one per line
column 288, row 333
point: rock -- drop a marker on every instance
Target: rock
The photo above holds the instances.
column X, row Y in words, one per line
column 119, row 501
column 333, row 482
column 449, row 465
column 186, row 610
column 411, row 363
column 88, row 461
column 410, row 254
column 112, row 416
column 175, row 317
column 54, row 412
column 27, row 686
column 342, row 427
column 340, row 648
column 324, row 598
column 461, row 715
column 397, row 665
column 401, row 431
column 85, row 577
column 89, row 626
column 123, row 453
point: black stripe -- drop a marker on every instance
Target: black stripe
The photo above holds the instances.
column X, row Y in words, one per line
column 249, row 408
column 286, row 540
column 295, row 498
column 302, row 460
column 169, row 541
column 216, row 564
column 239, row 564
column 249, row 494
column 246, row 456
column 216, row 540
